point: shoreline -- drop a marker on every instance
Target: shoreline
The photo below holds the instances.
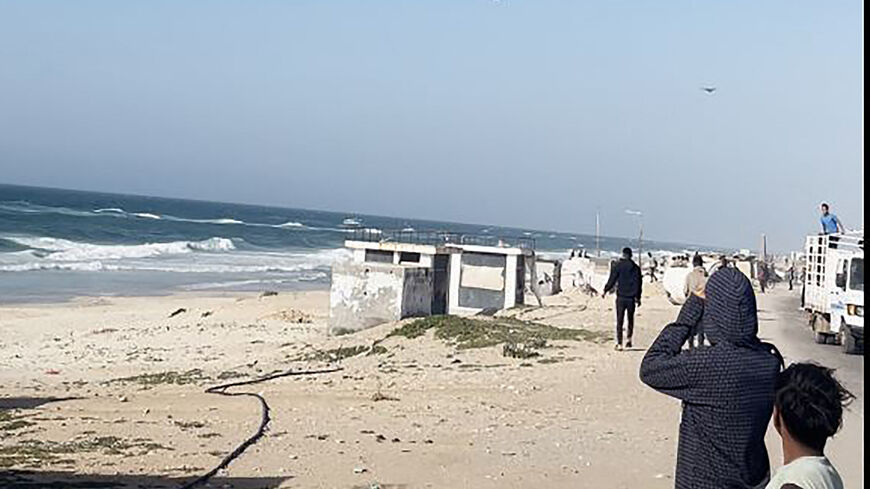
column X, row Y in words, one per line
column 63, row 299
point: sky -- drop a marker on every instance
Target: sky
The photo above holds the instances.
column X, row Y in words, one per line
column 522, row 113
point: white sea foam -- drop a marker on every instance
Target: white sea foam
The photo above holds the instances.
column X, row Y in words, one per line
column 290, row 224
column 146, row 215
column 66, row 250
column 110, row 210
column 215, row 256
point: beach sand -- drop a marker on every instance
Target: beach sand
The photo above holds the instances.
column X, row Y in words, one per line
column 410, row 412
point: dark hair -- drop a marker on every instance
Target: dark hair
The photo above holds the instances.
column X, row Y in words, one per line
column 626, row 251
column 825, row 205
column 698, row 261
column 810, row 402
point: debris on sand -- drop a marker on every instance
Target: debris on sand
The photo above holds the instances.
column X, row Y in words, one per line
column 380, row 396
column 291, row 316
column 178, row 311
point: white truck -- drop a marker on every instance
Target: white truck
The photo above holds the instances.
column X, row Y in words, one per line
column 833, row 291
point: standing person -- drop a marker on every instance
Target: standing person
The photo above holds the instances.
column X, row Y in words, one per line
column 830, row 222
column 762, row 276
column 807, row 411
column 727, row 390
column 626, row 277
column 791, row 275
column 696, row 283
column 653, row 267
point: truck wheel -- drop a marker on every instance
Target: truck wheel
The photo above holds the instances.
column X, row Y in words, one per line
column 821, row 338
column 847, row 339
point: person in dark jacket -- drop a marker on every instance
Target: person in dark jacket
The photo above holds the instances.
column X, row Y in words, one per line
column 626, row 277
column 727, row 388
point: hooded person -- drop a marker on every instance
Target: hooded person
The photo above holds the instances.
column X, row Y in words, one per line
column 727, row 388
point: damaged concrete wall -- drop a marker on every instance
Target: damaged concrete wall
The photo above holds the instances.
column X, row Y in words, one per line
column 368, row 294
column 482, row 281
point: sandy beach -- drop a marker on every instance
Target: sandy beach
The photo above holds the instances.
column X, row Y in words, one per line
column 110, row 391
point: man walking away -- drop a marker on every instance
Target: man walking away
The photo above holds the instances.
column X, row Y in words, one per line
column 727, row 389
column 791, row 275
column 625, row 275
column 696, row 283
column 807, row 411
column 830, row 222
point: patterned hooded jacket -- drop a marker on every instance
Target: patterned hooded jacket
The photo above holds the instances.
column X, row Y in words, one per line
column 727, row 388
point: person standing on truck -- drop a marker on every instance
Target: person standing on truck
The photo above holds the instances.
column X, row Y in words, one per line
column 696, row 283
column 830, row 222
column 807, row 411
column 626, row 277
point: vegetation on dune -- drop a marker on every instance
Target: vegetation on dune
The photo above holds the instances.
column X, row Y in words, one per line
column 36, row 453
column 175, row 378
column 467, row 333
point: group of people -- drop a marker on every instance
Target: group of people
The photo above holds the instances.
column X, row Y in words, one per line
column 732, row 387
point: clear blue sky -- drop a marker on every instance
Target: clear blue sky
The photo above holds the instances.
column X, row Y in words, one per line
column 523, row 113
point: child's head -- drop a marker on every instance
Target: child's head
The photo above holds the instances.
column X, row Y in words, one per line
column 809, row 404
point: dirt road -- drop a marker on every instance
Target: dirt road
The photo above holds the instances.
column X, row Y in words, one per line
column 785, row 325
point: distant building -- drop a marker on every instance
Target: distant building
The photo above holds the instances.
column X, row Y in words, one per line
column 393, row 276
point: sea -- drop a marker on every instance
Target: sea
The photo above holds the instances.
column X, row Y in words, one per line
column 60, row 244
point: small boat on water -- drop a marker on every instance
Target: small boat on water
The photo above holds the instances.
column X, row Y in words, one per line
column 351, row 222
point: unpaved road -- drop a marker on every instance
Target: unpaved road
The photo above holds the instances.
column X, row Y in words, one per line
column 785, row 325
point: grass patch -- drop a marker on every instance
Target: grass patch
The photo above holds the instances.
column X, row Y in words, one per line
column 12, row 421
column 467, row 333
column 36, row 453
column 171, row 378
column 230, row 374
column 187, row 425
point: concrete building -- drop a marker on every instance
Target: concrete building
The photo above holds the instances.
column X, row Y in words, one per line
column 393, row 276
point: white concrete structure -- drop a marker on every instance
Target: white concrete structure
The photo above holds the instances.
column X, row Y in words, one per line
column 388, row 280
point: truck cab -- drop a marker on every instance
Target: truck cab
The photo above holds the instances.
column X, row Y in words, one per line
column 847, row 301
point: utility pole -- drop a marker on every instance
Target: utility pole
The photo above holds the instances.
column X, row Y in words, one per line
column 639, row 216
column 598, row 233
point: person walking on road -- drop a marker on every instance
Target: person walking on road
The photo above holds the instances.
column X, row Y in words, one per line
column 696, row 283
column 808, row 410
column 830, row 222
column 762, row 276
column 727, row 389
column 626, row 277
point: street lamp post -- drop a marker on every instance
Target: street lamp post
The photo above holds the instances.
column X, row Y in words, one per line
column 639, row 216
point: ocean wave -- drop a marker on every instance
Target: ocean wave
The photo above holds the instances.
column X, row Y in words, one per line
column 289, row 224
column 25, row 207
column 215, row 255
column 58, row 249
column 146, row 215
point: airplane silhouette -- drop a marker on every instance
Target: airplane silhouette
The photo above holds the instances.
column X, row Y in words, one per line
column 709, row 90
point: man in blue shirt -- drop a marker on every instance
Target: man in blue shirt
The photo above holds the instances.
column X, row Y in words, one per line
column 830, row 223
